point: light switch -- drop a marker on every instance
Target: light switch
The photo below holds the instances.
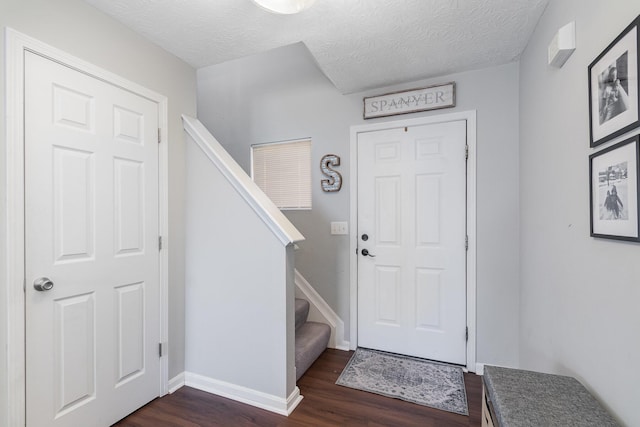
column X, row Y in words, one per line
column 339, row 227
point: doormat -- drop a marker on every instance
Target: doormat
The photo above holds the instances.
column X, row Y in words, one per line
column 407, row 378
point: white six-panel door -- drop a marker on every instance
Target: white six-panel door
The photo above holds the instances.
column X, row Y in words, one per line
column 412, row 224
column 91, row 217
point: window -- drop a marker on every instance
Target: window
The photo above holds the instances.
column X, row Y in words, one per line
column 283, row 171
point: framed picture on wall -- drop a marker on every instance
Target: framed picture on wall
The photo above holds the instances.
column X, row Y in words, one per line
column 614, row 100
column 614, row 191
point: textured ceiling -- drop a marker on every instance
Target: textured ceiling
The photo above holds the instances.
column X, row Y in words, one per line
column 358, row 44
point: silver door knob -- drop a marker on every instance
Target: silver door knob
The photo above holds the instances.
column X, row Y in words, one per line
column 42, row 284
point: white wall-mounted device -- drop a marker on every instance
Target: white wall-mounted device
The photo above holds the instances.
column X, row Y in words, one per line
column 562, row 45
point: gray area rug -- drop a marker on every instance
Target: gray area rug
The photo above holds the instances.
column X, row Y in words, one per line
column 415, row 380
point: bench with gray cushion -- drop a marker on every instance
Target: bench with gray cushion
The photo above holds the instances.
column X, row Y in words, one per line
column 524, row 398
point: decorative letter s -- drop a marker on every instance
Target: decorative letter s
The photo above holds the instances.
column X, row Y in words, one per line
column 334, row 183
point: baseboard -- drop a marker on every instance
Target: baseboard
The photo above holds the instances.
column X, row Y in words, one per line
column 321, row 312
column 245, row 395
column 345, row 346
column 176, row 382
column 294, row 400
column 480, row 367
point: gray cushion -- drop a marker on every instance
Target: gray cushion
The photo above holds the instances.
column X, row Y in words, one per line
column 525, row 398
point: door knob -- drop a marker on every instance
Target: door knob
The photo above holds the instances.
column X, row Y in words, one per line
column 365, row 252
column 42, row 284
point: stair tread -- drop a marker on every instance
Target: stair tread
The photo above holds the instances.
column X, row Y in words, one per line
column 302, row 312
column 312, row 339
column 311, row 330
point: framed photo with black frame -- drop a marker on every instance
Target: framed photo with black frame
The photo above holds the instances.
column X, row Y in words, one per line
column 614, row 191
column 614, row 99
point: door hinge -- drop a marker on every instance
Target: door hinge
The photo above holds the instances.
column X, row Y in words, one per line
column 466, row 152
column 466, row 242
column 466, row 333
column 159, row 349
column 159, row 136
column 159, row 243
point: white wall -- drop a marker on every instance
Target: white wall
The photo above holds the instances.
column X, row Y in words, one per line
column 239, row 289
column 81, row 30
column 579, row 295
column 282, row 95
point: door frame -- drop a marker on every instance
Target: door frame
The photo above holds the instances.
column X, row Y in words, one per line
column 470, row 118
column 16, row 46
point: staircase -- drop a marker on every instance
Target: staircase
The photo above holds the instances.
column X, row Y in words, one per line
column 312, row 338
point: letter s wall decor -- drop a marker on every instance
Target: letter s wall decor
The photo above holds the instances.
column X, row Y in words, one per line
column 334, row 183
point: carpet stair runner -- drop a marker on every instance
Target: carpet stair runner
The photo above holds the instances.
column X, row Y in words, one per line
column 312, row 338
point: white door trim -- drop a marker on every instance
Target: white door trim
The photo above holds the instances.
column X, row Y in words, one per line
column 470, row 117
column 16, row 45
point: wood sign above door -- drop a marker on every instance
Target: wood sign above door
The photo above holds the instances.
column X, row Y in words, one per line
column 410, row 101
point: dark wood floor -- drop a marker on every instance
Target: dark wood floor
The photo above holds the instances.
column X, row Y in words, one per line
column 324, row 404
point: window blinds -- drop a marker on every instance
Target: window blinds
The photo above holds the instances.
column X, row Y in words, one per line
column 283, row 171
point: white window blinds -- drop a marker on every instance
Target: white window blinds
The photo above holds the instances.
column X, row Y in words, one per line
column 283, row 171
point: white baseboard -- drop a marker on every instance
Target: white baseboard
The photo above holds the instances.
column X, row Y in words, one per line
column 345, row 346
column 176, row 382
column 245, row 395
column 480, row 367
column 321, row 312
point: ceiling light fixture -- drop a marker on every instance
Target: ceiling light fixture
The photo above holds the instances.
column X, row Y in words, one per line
column 285, row 7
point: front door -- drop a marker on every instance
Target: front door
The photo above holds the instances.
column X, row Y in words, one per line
column 411, row 241
column 92, row 299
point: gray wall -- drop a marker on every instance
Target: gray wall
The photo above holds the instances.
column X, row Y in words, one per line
column 579, row 295
column 282, row 95
column 81, row 30
column 235, row 308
